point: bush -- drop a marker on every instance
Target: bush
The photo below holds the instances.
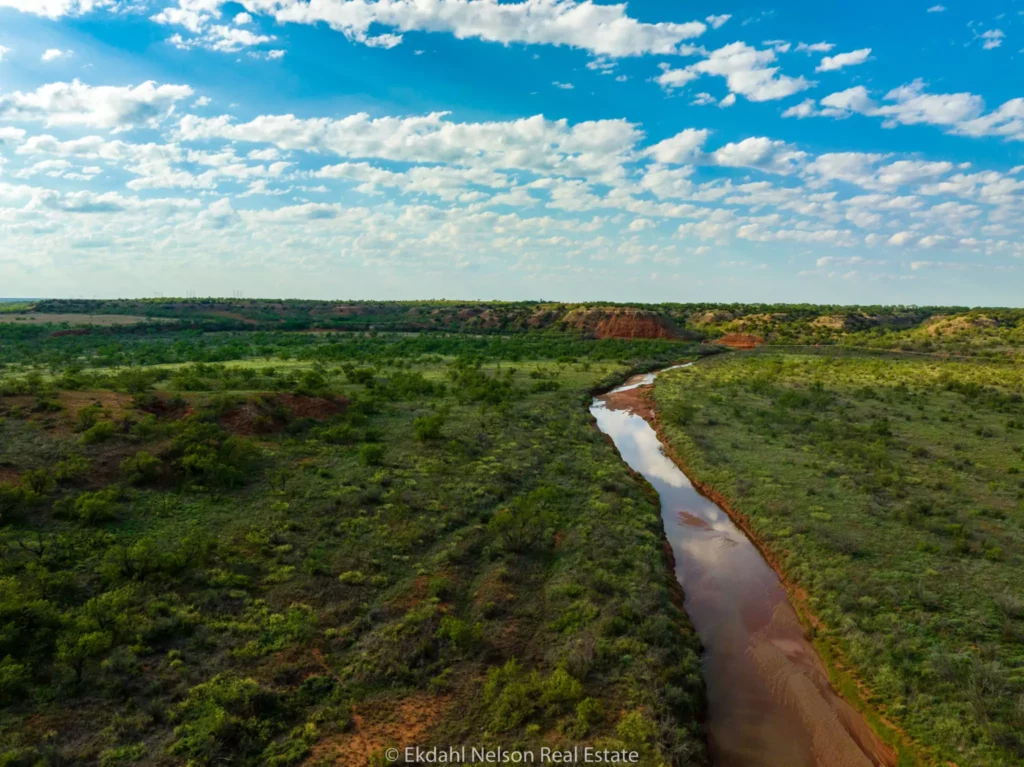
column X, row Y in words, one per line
column 99, row 432
column 428, row 427
column 71, row 468
column 208, row 453
column 14, row 678
column 224, row 720
column 371, row 454
column 91, row 508
column 14, row 501
column 462, row 635
column 87, row 417
column 524, row 525
column 140, row 468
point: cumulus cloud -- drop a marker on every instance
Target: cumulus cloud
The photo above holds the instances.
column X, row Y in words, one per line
column 718, row 21
column 746, row 70
column 605, row 30
column 563, row 86
column 681, row 148
column 594, row 148
column 105, row 107
column 761, row 153
column 960, row 113
column 54, row 9
column 831, row 63
column 4, row 50
column 52, row 54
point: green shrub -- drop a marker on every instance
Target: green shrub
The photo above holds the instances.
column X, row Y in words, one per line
column 225, row 719
column 91, row 508
column 88, row 417
column 140, row 468
column 428, row 427
column 207, row 453
column 71, row 468
column 462, row 635
column 99, row 432
column 371, row 454
column 14, row 679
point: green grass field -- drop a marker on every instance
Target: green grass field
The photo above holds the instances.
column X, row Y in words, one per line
column 892, row 491
column 275, row 561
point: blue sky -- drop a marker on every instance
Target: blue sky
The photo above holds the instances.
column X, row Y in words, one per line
column 649, row 151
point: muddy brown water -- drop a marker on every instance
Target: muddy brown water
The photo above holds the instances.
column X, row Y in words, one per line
column 770, row 703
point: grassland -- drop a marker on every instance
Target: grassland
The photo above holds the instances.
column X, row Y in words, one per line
column 891, row 491
column 322, row 547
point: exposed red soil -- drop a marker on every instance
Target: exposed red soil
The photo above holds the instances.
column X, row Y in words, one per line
column 114, row 403
column 739, row 341
column 620, row 322
column 224, row 313
column 312, row 407
column 162, row 408
column 634, row 326
column 381, row 724
column 9, row 476
column 254, row 417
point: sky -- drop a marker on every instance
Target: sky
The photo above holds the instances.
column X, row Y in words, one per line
column 567, row 150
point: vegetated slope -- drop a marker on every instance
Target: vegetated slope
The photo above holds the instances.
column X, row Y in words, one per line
column 960, row 330
column 892, row 491
column 304, row 561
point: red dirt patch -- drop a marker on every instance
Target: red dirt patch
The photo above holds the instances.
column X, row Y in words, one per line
column 113, row 402
column 263, row 417
column 620, row 322
column 163, row 408
column 9, row 476
column 312, row 407
column 739, row 341
column 379, row 724
column 225, row 314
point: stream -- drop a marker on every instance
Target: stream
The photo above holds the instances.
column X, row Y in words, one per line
column 770, row 703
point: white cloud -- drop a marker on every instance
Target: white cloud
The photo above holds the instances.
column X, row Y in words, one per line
column 4, row 50
column 937, row 9
column 960, row 113
column 604, row 30
column 54, row 9
column 52, row 54
column 242, row 19
column 593, row 149
column 815, row 47
column 681, row 148
column 761, row 153
column 831, row 63
column 901, row 238
column 105, row 107
column 718, row 21
column 779, row 46
column 745, row 69
column 804, row 109
column 703, row 99
column 563, row 86
column 728, row 101
column 993, row 38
